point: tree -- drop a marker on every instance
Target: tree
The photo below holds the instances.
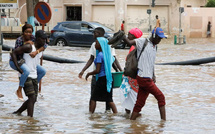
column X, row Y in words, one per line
column 211, row 3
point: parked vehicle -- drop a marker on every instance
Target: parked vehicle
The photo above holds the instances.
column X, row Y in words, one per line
column 77, row 33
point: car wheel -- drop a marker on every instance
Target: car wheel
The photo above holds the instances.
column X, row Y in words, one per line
column 60, row 43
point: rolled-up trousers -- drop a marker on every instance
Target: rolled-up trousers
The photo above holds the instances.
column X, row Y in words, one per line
column 146, row 86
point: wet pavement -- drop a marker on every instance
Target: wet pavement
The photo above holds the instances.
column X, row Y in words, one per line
column 189, row 92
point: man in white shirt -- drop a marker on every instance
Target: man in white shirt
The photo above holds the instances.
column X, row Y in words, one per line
column 145, row 76
column 31, row 84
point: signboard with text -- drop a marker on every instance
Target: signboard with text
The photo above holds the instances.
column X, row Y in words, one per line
column 8, row 4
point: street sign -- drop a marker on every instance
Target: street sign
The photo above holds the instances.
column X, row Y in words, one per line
column 42, row 12
column 149, row 11
column 181, row 9
column 153, row 3
column 8, row 4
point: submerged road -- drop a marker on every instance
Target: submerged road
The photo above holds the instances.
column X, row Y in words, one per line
column 189, row 92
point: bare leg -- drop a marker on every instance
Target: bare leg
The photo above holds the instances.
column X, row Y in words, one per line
column 113, row 107
column 19, row 93
column 107, row 106
column 22, row 108
column 30, row 107
column 134, row 115
column 92, row 106
column 162, row 112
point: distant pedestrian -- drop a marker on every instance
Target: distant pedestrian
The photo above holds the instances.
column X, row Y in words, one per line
column 209, row 29
column 1, row 95
column 158, row 24
column 122, row 26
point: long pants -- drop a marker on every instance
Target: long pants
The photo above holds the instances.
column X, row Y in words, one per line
column 146, row 86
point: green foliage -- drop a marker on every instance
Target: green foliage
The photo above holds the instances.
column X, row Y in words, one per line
column 211, row 3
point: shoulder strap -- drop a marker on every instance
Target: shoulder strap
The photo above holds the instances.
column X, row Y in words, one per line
column 144, row 45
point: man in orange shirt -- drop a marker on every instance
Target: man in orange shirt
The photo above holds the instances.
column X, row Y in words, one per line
column 157, row 22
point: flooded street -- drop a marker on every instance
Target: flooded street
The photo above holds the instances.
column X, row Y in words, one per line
column 63, row 108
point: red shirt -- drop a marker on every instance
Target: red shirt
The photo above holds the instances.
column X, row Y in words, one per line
column 122, row 27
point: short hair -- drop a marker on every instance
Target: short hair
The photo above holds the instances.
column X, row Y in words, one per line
column 100, row 30
column 26, row 26
column 156, row 16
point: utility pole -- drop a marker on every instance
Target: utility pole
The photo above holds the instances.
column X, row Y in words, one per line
column 30, row 12
column 149, row 12
column 179, row 41
column 181, row 10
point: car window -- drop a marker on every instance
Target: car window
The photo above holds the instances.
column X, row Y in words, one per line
column 95, row 24
column 73, row 26
column 85, row 27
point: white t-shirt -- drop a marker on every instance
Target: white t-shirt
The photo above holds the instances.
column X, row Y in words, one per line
column 32, row 62
column 92, row 51
column 147, row 59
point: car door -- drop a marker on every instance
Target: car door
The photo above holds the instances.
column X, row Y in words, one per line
column 73, row 33
column 87, row 34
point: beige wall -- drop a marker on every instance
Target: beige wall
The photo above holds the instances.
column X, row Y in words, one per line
column 111, row 14
column 106, row 16
column 193, row 3
column 196, row 20
column 134, row 13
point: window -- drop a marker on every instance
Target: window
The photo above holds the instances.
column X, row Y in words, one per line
column 73, row 26
column 74, row 13
column 85, row 27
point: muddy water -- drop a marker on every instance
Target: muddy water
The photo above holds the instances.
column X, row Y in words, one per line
column 63, row 108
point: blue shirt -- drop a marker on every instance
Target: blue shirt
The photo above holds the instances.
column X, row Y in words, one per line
column 100, row 59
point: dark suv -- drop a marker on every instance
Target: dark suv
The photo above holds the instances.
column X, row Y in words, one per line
column 76, row 33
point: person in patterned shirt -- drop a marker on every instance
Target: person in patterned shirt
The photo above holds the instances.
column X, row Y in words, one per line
column 26, row 38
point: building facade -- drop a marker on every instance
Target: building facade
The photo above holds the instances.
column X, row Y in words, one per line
column 111, row 13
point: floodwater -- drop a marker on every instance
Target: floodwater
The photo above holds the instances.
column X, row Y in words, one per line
column 63, row 108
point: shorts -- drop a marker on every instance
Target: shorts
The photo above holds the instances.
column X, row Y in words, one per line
column 31, row 87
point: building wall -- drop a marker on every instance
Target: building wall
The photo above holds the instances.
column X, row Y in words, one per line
column 112, row 12
column 196, row 20
column 193, row 3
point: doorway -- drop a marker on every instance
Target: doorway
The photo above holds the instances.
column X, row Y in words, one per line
column 74, row 13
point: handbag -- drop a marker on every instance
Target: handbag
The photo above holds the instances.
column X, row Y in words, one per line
column 125, row 86
column 131, row 64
